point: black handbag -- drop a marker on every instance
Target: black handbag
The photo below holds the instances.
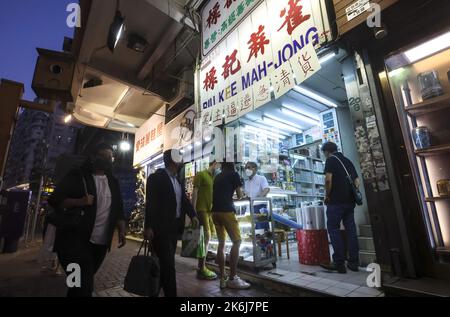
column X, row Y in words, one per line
column 355, row 191
column 69, row 218
column 143, row 276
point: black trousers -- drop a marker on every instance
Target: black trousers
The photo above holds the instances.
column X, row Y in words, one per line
column 90, row 257
column 165, row 246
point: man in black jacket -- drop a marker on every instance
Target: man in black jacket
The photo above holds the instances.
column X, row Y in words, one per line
column 94, row 189
column 166, row 208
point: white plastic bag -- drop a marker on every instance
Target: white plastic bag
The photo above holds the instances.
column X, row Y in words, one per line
column 46, row 255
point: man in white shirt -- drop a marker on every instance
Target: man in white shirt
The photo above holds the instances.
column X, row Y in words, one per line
column 256, row 186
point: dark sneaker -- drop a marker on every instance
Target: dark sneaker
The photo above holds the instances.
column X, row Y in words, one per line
column 353, row 267
column 340, row 268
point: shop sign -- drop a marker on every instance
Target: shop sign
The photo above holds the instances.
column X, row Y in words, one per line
column 220, row 17
column 267, row 52
column 180, row 131
column 149, row 139
column 357, row 8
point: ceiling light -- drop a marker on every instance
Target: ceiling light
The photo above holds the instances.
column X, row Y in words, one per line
column 286, row 122
column 264, row 132
column 295, row 114
column 281, row 125
column 263, row 127
column 428, row 48
column 115, row 31
column 125, row 146
column 313, row 95
column 68, row 119
column 137, row 43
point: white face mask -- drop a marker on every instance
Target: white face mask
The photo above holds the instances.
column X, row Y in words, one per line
column 249, row 173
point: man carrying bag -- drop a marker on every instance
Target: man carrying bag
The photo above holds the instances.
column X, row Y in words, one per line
column 143, row 276
column 342, row 195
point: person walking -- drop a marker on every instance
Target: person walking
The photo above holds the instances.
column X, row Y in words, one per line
column 224, row 216
column 94, row 189
column 202, row 200
column 341, row 204
column 165, row 211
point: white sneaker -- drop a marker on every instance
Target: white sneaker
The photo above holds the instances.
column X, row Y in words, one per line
column 238, row 283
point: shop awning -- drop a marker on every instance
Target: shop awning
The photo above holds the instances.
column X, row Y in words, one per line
column 122, row 89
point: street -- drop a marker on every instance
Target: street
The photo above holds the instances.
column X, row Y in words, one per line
column 22, row 276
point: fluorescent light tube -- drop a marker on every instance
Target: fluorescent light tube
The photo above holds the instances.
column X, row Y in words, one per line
column 428, row 48
column 281, row 125
column 300, row 116
column 310, row 94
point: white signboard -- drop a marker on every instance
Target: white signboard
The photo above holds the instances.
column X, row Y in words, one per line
column 274, row 43
column 149, row 139
column 180, row 131
column 220, row 17
column 357, row 8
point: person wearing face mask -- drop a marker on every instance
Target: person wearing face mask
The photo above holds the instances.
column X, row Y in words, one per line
column 165, row 212
column 94, row 189
column 256, row 186
column 202, row 201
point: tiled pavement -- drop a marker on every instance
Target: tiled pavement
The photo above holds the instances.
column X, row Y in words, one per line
column 21, row 275
column 352, row 284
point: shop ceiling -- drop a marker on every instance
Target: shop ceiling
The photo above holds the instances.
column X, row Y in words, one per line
column 122, row 89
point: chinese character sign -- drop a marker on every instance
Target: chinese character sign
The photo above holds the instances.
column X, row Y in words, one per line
column 150, row 137
column 220, row 17
column 271, row 50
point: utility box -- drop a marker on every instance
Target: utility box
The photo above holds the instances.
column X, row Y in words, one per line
column 57, row 76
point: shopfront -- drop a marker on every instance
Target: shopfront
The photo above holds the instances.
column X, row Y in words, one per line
column 278, row 88
column 409, row 69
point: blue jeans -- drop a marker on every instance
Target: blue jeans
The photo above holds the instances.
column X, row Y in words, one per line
column 337, row 214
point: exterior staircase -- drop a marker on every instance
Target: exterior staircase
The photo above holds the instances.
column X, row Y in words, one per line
column 367, row 253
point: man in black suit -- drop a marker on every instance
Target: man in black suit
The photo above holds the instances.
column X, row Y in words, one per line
column 166, row 208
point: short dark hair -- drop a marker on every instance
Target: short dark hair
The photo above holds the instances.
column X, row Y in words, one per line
column 228, row 167
column 101, row 147
column 329, row 147
column 167, row 158
column 252, row 165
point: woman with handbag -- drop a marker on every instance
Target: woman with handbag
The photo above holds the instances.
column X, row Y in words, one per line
column 88, row 207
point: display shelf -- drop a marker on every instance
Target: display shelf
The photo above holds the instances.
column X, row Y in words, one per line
column 434, row 150
column 443, row 251
column 435, row 199
column 429, row 106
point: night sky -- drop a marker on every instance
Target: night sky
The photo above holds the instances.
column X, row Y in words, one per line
column 25, row 25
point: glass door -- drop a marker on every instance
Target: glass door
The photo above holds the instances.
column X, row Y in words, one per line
column 419, row 77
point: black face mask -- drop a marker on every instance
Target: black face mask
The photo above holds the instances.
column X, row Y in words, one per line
column 102, row 164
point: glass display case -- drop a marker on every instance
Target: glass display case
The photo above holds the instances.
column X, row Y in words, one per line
column 256, row 227
column 419, row 78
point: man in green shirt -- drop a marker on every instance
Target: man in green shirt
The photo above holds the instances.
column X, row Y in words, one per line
column 202, row 200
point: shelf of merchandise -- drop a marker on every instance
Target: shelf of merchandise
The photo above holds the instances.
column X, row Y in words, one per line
column 434, row 150
column 251, row 253
column 436, row 199
column 415, row 111
column 429, row 106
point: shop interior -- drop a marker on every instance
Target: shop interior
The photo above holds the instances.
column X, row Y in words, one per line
column 419, row 77
column 294, row 127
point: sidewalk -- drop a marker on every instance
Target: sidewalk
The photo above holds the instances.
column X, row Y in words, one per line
column 21, row 276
